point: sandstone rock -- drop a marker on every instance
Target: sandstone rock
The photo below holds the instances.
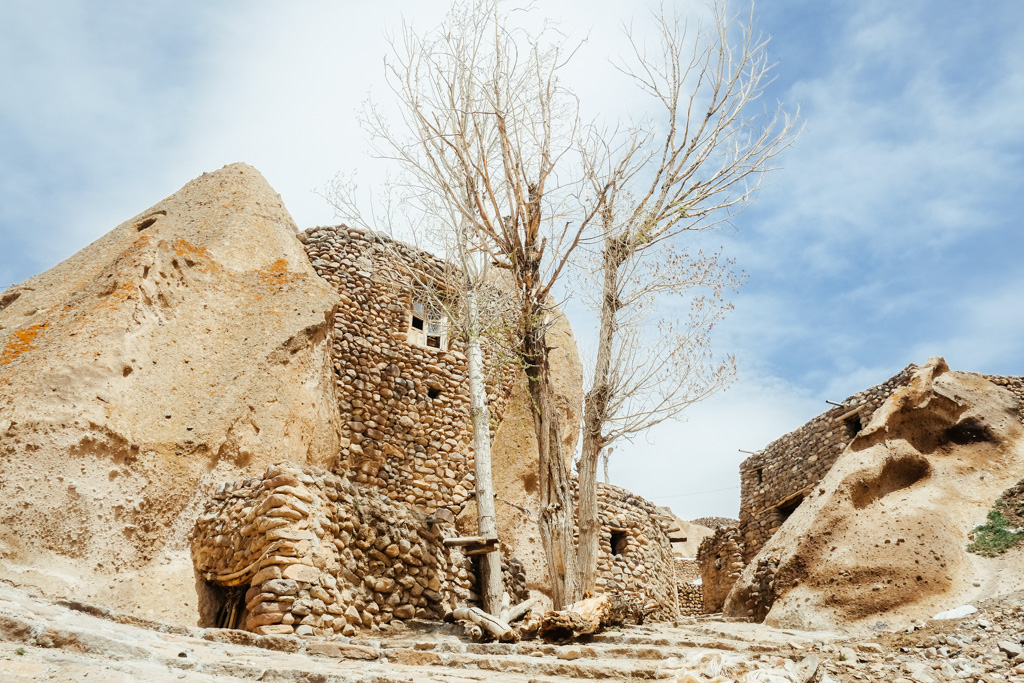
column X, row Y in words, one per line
column 188, row 344
column 302, row 572
column 342, row 650
column 883, row 536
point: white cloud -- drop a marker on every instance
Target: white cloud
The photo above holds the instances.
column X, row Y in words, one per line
column 685, row 465
column 910, row 160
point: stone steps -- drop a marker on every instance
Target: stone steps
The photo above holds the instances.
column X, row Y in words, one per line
column 583, row 668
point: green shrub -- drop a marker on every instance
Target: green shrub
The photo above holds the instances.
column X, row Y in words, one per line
column 995, row 537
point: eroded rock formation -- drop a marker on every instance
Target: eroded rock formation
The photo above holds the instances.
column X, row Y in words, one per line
column 187, row 344
column 882, row 537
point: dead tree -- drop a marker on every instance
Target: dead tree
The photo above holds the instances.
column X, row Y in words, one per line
column 484, row 123
column 650, row 190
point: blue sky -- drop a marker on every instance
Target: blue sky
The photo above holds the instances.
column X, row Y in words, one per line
column 891, row 234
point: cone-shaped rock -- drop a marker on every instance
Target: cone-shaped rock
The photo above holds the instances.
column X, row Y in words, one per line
column 883, row 537
column 188, row 346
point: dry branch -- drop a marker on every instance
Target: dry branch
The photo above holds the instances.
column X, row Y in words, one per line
column 496, row 627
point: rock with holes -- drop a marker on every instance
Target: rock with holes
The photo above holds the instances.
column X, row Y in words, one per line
column 883, row 536
column 187, row 346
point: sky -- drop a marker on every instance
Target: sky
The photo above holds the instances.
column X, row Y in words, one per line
column 890, row 234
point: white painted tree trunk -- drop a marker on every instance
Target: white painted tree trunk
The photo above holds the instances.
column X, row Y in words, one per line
column 490, row 563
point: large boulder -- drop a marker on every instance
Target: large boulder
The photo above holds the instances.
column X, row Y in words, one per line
column 188, row 346
column 883, row 536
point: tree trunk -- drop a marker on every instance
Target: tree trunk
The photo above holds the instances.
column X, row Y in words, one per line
column 556, row 509
column 594, row 415
column 490, row 563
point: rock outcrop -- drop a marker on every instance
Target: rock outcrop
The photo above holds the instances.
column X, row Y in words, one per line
column 882, row 537
column 188, row 344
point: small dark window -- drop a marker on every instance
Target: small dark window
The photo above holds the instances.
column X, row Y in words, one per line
column 620, row 541
column 760, row 475
column 434, row 341
column 853, row 425
column 417, row 323
column 433, row 393
column 788, row 508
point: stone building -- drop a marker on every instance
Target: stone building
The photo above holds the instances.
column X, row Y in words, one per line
column 774, row 481
column 402, row 386
column 301, row 550
column 401, row 376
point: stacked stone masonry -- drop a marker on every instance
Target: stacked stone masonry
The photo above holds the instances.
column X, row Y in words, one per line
column 720, row 557
column 689, row 591
column 405, row 408
column 635, row 556
column 687, row 569
column 305, row 551
column 405, row 405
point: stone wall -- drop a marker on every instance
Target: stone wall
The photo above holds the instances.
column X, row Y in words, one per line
column 635, row 557
column 405, row 408
column 304, row 551
column 405, row 405
column 774, row 481
column 721, row 562
column 689, row 591
column 687, row 569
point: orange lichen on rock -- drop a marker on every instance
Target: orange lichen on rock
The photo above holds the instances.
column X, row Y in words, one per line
column 20, row 342
column 277, row 274
column 195, row 256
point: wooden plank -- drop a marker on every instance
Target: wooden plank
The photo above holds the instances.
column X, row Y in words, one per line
column 480, row 551
column 469, row 540
column 801, row 493
column 851, row 413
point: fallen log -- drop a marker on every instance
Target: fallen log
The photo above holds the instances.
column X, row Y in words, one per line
column 505, row 605
column 496, row 627
column 588, row 616
column 563, row 626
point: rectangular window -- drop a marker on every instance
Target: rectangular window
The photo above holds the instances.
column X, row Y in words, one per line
column 427, row 325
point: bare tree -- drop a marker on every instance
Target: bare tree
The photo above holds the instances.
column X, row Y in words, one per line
column 483, row 124
column 488, row 124
column 652, row 189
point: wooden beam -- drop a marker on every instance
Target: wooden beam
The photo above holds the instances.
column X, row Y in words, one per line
column 801, row 493
column 469, row 540
column 483, row 550
column 850, row 413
